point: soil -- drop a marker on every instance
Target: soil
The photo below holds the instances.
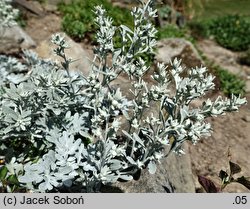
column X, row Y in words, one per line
column 210, row 155
column 230, row 134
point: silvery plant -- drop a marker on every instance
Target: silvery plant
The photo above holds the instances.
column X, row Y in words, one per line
column 61, row 130
column 7, row 15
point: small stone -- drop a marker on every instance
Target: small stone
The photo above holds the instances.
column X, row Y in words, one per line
column 50, row 7
column 246, row 118
column 247, row 70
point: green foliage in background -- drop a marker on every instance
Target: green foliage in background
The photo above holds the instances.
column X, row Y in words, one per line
column 78, row 17
column 173, row 31
column 207, row 9
column 199, row 28
column 21, row 20
column 230, row 83
column 231, row 31
column 78, row 20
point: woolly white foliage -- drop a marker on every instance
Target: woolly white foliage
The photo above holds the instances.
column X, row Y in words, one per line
column 7, row 14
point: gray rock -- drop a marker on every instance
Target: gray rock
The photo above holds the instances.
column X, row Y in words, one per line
column 168, row 49
column 226, row 59
column 55, row 2
column 174, row 174
column 31, row 6
column 221, row 56
column 13, row 39
column 76, row 52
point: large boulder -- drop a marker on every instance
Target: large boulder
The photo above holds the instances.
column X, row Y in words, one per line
column 170, row 48
column 76, row 52
column 14, row 39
